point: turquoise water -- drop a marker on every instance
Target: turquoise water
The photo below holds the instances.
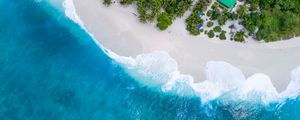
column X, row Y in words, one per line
column 51, row 69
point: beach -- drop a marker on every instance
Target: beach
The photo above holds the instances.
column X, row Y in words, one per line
column 118, row 29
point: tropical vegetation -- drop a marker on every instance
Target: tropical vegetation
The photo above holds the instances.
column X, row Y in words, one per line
column 268, row 20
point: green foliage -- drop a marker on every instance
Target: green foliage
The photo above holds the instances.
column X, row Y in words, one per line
column 250, row 22
column 209, row 13
column 217, row 29
column 253, row 7
column 254, row 4
column 210, row 23
column 231, row 16
column 286, row 5
column 193, row 20
column 163, row 21
column 268, row 20
column 242, row 11
column 148, row 9
column 222, row 35
column 211, row 34
column 277, row 19
column 192, row 23
column 126, row 2
column 232, row 26
column 176, row 8
column 215, row 6
column 202, row 30
column 222, row 20
column 278, row 24
column 107, row 2
column 216, row 14
column 239, row 36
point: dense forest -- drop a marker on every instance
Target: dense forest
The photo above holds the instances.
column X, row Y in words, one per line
column 268, row 20
column 274, row 19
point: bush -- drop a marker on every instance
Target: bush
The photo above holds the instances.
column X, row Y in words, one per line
column 192, row 23
column 209, row 13
column 194, row 20
column 202, row 30
column 176, row 8
column 239, row 36
column 242, row 11
column 253, row 7
column 210, row 23
column 217, row 29
column 107, row 2
column 222, row 20
column 163, row 21
column 126, row 2
column 215, row 6
column 148, row 10
column 215, row 15
column 250, row 22
column 211, row 34
column 232, row 16
column 222, row 35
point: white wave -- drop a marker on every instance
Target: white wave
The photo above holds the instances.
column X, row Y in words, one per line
column 221, row 78
column 293, row 89
column 258, row 87
column 159, row 70
column 170, row 83
column 70, row 12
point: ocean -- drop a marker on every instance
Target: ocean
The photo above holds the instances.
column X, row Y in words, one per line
column 51, row 68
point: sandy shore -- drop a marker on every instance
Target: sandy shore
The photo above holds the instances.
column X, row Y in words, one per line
column 118, row 29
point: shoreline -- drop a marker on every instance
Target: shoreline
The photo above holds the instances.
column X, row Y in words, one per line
column 126, row 36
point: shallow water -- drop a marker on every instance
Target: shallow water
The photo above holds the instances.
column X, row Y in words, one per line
column 51, row 69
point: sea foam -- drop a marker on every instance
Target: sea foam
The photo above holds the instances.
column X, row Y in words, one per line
column 158, row 70
column 293, row 89
column 70, row 12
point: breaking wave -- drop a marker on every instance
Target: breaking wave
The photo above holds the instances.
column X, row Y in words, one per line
column 71, row 12
column 159, row 71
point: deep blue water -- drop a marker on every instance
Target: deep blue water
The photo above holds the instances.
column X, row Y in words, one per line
column 51, row 69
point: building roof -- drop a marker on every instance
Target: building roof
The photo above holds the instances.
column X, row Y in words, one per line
column 227, row 3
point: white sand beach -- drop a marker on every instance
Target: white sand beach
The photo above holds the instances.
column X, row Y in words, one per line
column 119, row 30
